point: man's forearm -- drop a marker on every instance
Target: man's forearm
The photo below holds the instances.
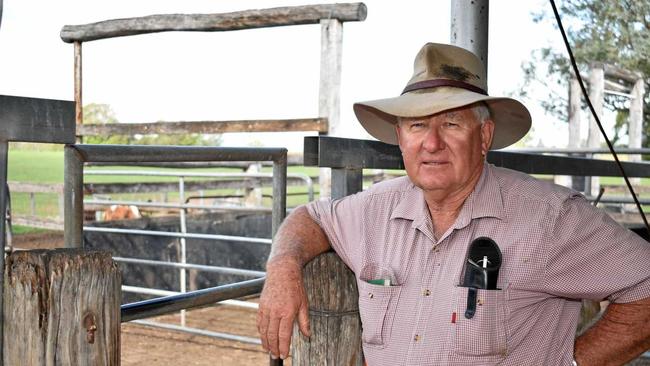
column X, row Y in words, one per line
column 619, row 336
column 299, row 239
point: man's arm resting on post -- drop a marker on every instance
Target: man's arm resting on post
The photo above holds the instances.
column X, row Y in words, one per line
column 619, row 336
column 298, row 240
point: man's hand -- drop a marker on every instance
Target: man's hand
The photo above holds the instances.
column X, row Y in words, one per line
column 283, row 298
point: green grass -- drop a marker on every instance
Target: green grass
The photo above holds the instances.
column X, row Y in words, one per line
column 19, row 230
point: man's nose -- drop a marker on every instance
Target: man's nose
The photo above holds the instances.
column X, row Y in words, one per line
column 433, row 140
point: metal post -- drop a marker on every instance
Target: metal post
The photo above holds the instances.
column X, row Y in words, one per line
column 183, row 273
column 329, row 101
column 469, row 27
column 279, row 192
column 73, row 196
column 4, row 152
column 346, row 182
column 32, row 204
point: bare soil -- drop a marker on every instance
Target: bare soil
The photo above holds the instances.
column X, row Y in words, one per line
column 144, row 345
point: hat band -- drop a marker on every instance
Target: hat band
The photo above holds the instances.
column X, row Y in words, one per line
column 443, row 82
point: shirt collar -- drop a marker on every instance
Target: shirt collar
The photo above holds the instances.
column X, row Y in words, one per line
column 485, row 200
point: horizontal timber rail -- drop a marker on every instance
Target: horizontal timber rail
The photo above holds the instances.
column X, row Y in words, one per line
column 351, row 154
column 248, row 19
column 190, row 300
column 204, row 127
column 580, row 150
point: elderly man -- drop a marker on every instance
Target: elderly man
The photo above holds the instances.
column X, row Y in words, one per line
column 462, row 262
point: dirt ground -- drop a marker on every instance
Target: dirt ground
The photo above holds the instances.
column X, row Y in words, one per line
column 144, row 345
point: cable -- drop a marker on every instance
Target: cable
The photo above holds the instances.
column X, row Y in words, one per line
column 593, row 112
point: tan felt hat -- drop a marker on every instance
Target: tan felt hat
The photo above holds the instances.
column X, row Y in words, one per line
column 444, row 77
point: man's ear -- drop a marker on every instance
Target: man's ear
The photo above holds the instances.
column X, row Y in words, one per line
column 397, row 133
column 487, row 134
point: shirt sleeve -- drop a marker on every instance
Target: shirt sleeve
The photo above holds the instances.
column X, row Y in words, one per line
column 590, row 256
column 341, row 220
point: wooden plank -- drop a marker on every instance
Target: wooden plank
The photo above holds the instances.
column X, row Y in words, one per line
column 621, row 73
column 21, row 187
column 333, row 315
column 36, row 120
column 38, row 222
column 247, row 19
column 62, row 308
column 204, row 127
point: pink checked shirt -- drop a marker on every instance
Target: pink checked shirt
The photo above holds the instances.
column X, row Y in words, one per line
column 557, row 249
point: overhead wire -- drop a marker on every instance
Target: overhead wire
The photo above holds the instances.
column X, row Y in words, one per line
column 596, row 118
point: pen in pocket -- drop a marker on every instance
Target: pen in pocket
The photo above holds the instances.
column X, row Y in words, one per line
column 380, row 281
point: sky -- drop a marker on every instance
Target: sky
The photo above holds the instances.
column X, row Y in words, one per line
column 264, row 73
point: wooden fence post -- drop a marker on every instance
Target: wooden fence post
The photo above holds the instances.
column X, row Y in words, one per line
column 333, row 316
column 62, row 307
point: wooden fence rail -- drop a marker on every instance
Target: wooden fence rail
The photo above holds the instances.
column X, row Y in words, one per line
column 204, row 127
column 248, row 19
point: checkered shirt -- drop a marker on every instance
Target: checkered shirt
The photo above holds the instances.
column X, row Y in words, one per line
column 557, row 249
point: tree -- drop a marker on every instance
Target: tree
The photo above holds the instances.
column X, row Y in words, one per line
column 102, row 114
column 608, row 31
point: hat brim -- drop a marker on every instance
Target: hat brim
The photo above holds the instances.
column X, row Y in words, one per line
column 511, row 118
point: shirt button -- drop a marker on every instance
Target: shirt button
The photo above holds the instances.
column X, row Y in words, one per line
column 426, row 292
column 416, row 338
column 370, row 295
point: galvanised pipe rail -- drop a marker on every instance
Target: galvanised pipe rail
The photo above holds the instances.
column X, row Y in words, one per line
column 177, row 235
column 200, row 267
column 232, row 337
column 178, row 205
column 308, row 181
column 158, row 292
column 190, row 300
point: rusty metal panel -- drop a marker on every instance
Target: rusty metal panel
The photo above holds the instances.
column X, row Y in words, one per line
column 36, row 120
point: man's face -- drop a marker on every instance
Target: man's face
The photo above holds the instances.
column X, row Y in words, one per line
column 444, row 152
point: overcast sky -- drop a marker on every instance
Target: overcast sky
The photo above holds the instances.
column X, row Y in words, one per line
column 250, row 74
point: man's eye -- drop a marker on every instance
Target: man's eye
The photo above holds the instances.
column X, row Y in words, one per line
column 417, row 125
column 450, row 124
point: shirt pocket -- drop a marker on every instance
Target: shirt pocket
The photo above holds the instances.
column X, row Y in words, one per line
column 484, row 335
column 377, row 310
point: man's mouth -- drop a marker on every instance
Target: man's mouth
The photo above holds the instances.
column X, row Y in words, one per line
column 434, row 163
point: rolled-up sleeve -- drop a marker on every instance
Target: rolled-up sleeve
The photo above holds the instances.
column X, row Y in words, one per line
column 590, row 256
column 342, row 222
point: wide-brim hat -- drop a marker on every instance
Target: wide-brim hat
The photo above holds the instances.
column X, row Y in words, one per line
column 444, row 77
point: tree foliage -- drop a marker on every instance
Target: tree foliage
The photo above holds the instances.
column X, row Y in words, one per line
column 615, row 32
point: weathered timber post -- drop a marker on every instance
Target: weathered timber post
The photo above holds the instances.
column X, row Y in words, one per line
column 577, row 183
column 329, row 101
column 596, row 94
column 62, row 307
column 333, row 316
column 636, row 121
